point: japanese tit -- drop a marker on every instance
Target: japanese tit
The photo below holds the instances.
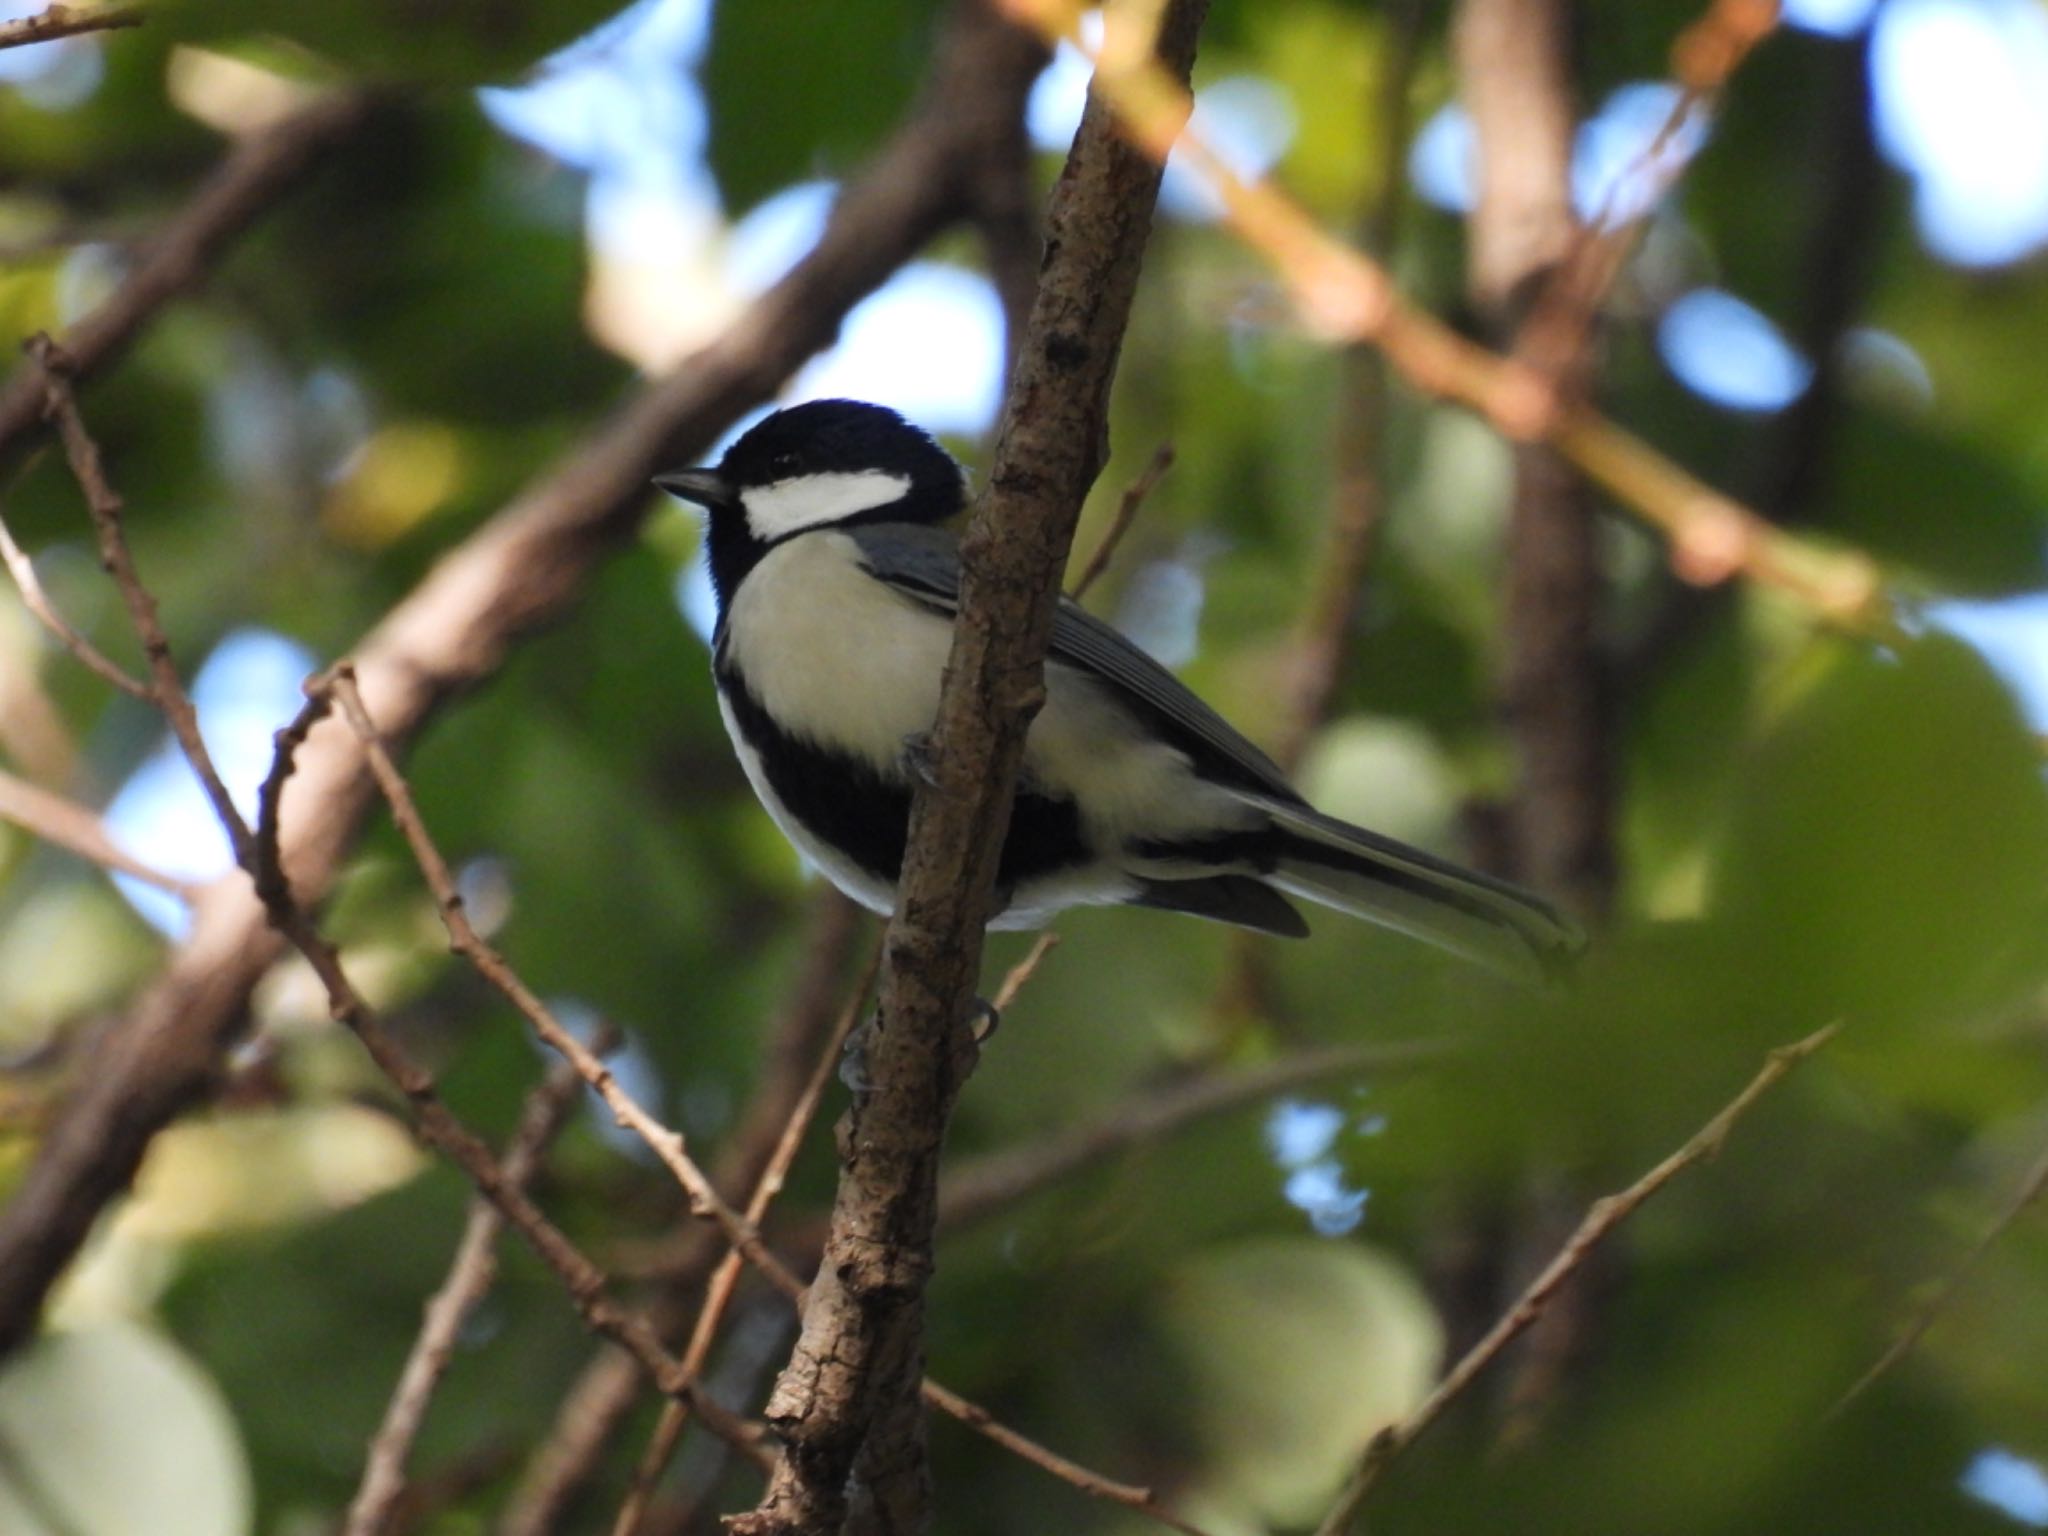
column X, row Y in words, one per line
column 836, row 588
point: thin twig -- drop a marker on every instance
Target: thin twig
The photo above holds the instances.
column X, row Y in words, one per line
column 601, row 1399
column 55, row 21
column 1601, row 1219
column 37, row 601
column 1094, row 1484
column 1703, row 58
column 69, row 825
column 666, row 1144
column 470, row 1276
column 1019, row 975
column 725, row 1279
column 587, row 1285
column 104, row 505
column 998, row 1180
column 1938, row 1302
column 1126, row 513
column 272, row 885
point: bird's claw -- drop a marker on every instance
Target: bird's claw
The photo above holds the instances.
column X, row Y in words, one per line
column 983, row 1019
column 918, row 758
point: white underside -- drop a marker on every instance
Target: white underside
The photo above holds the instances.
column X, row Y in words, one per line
column 833, row 654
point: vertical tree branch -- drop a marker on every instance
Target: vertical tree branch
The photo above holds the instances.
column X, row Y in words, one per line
column 1515, row 82
column 850, row 1388
column 1515, row 79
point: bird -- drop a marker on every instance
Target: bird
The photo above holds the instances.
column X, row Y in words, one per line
column 837, row 581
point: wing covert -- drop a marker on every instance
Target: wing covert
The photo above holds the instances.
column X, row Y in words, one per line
column 923, row 563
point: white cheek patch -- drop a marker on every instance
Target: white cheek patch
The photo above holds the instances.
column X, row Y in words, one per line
column 810, row 501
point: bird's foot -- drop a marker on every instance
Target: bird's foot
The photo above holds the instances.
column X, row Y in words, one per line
column 919, row 759
column 983, row 1019
column 853, row 1056
column 979, row 1028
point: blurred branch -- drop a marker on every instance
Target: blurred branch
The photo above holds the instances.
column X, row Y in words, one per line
column 1551, row 686
column 1324, row 630
column 1840, row 246
column 1127, row 507
column 1345, row 295
column 32, row 729
column 1600, row 1221
column 435, row 1122
column 69, row 825
column 255, row 174
column 1514, row 80
column 846, row 1405
column 55, row 21
column 521, row 569
column 1140, row 1500
column 1706, row 54
column 998, row 1180
column 1929, row 1311
column 37, row 601
column 470, row 1275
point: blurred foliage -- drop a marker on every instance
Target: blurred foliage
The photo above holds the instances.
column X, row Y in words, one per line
column 1810, row 831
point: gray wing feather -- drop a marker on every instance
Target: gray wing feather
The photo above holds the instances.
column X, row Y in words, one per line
column 923, row 563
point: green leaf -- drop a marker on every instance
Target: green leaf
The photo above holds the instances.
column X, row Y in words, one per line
column 792, row 102
column 1950, row 510
column 445, row 42
column 1297, row 1350
column 112, row 1430
column 1886, row 852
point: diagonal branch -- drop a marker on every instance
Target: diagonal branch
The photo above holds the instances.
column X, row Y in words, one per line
column 181, row 255
column 522, row 569
column 1600, row 1221
column 37, row 601
column 55, row 21
column 1344, row 295
column 66, row 824
column 1929, row 1312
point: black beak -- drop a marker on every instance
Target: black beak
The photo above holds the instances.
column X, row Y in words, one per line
column 706, row 487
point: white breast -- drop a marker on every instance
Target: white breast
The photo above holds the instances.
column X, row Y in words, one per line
column 833, row 654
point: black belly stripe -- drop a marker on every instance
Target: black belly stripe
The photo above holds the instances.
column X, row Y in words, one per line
column 849, row 805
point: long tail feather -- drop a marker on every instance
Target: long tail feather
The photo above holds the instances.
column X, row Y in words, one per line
column 1376, row 878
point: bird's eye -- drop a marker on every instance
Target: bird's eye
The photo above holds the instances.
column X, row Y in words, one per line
column 784, row 464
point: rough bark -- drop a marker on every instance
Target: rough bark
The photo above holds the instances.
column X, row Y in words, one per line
column 848, row 1393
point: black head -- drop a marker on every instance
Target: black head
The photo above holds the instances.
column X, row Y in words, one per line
column 826, row 463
